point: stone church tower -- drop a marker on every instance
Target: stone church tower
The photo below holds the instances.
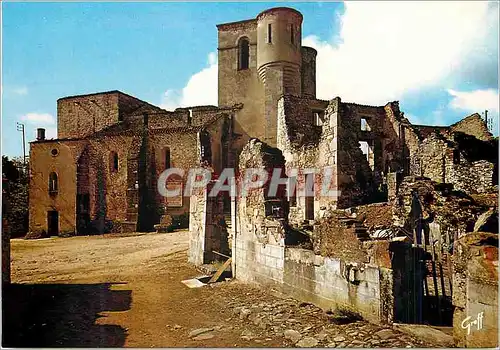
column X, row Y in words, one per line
column 260, row 60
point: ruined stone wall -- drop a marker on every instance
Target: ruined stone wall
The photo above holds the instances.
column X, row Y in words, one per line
column 207, row 230
column 436, row 160
column 411, row 157
column 261, row 256
column 355, row 177
column 259, row 241
column 475, row 177
column 308, row 72
column 305, row 146
column 59, row 157
column 473, row 125
column 331, row 283
column 475, row 290
column 441, row 160
column 394, row 145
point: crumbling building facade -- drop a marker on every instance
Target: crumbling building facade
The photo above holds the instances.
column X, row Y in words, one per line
column 404, row 195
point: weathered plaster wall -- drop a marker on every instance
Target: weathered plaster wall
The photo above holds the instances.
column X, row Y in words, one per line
column 40, row 201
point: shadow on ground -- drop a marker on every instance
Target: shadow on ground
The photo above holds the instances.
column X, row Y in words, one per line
column 61, row 315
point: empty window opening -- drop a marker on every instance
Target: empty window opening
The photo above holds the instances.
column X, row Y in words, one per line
column 244, row 57
column 456, row 156
column 367, row 150
column 309, row 196
column 190, row 117
column 291, row 191
column 53, row 183
column 269, row 33
column 113, row 162
column 292, row 34
column 166, row 157
column 364, row 125
column 318, row 118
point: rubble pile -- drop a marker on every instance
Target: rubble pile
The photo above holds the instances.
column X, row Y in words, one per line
column 439, row 203
column 335, row 236
column 375, row 216
column 261, row 315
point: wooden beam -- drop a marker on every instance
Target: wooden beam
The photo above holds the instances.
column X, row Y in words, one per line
column 219, row 272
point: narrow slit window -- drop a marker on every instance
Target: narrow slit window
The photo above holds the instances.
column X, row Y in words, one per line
column 292, row 34
column 113, row 162
column 166, row 154
column 53, row 183
column 269, row 33
column 292, row 191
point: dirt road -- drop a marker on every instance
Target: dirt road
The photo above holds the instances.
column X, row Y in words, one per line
column 108, row 291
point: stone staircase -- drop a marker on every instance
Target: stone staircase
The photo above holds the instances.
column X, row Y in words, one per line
column 360, row 230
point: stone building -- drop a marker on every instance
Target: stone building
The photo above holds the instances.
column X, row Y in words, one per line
column 100, row 173
column 404, row 196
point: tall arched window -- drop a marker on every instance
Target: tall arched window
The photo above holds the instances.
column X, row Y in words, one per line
column 244, row 53
column 113, row 162
column 53, row 184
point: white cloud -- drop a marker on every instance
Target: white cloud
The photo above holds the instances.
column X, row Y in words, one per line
column 38, row 118
column 475, row 101
column 388, row 48
column 9, row 91
column 23, row 90
column 201, row 89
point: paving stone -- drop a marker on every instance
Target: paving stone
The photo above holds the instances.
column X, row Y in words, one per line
column 320, row 336
column 339, row 339
column 244, row 313
column 292, row 335
column 199, row 331
column 385, row 334
column 307, row 342
column 204, row 336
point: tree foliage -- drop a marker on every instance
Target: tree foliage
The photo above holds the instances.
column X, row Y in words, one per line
column 15, row 182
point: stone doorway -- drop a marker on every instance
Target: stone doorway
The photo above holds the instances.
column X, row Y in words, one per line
column 53, row 222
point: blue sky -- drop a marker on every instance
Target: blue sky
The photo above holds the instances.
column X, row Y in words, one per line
column 438, row 68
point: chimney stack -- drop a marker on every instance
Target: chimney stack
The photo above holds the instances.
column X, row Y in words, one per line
column 40, row 134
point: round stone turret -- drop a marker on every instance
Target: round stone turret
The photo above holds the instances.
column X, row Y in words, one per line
column 279, row 41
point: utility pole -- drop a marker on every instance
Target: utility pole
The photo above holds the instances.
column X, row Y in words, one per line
column 20, row 127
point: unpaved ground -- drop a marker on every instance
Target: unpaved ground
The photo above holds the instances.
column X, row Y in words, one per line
column 105, row 291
